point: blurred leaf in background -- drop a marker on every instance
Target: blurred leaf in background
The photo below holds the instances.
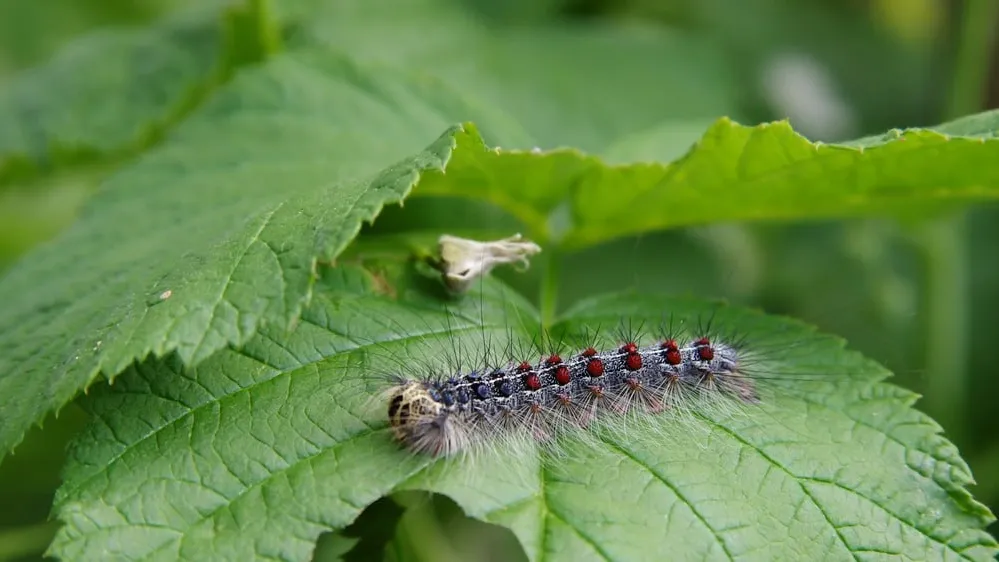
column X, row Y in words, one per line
column 32, row 31
column 71, row 113
column 33, row 209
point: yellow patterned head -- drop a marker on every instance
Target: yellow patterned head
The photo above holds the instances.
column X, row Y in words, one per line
column 418, row 421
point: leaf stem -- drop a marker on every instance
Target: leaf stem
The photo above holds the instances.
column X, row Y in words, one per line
column 946, row 306
column 549, row 288
column 974, row 52
column 944, row 241
column 252, row 35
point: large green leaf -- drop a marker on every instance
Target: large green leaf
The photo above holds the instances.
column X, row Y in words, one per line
column 106, row 94
column 734, row 173
column 254, row 453
column 215, row 233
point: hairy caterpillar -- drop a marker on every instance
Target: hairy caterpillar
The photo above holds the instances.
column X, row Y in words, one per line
column 443, row 415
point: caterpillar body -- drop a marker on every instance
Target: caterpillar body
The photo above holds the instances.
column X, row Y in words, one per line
column 443, row 416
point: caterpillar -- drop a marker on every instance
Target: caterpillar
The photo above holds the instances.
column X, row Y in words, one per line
column 444, row 415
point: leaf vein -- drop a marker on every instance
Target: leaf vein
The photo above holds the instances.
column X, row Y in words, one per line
column 665, row 482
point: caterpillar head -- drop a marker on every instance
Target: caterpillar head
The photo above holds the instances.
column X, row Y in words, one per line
column 420, row 422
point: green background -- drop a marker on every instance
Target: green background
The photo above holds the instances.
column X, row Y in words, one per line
column 916, row 294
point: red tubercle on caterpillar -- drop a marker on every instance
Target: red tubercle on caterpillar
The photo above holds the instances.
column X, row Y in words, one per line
column 629, row 347
column 562, row 375
column 523, row 367
column 589, row 352
column 672, row 350
column 532, row 381
column 704, row 349
column 553, row 360
column 633, row 361
column 595, row 368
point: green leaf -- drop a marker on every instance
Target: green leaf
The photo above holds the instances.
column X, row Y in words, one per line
column 255, row 452
column 734, row 173
column 213, row 234
column 106, row 94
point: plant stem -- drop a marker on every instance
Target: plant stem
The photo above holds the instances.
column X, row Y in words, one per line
column 944, row 241
column 252, row 34
column 549, row 289
column 972, row 59
column 946, row 306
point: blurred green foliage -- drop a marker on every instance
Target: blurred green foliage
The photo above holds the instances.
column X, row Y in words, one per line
column 914, row 296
